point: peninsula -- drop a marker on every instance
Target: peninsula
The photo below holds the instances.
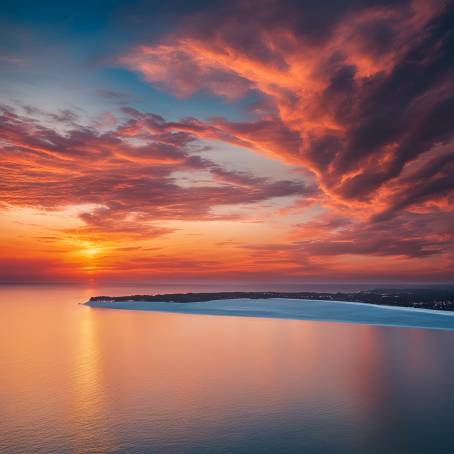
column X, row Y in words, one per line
column 396, row 308
column 421, row 298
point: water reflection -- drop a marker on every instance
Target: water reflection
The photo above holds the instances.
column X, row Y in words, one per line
column 76, row 379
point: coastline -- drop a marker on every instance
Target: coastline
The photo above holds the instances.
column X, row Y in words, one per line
column 297, row 309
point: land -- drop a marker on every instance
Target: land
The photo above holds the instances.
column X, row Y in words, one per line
column 431, row 308
column 420, row 298
column 289, row 308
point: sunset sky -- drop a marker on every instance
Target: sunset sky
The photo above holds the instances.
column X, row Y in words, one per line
column 264, row 141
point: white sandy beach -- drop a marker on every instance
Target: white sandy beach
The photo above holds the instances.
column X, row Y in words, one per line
column 333, row 311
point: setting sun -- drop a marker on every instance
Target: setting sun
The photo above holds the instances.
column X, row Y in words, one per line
column 91, row 252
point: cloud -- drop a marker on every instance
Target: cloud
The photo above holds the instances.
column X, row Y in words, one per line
column 411, row 235
column 356, row 93
column 178, row 69
column 128, row 172
column 27, row 269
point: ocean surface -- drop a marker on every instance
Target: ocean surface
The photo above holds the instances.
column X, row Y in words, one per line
column 75, row 379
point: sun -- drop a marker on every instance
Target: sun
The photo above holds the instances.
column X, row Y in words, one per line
column 91, row 252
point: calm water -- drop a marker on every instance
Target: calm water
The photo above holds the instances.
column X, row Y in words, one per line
column 81, row 380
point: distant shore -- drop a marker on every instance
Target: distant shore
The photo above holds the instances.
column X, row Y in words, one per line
column 422, row 298
column 297, row 309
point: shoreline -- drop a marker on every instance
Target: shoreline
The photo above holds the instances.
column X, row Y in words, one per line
column 296, row 309
column 440, row 299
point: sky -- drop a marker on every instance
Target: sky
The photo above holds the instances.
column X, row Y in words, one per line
column 262, row 141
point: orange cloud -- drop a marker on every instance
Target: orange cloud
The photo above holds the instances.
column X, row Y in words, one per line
column 355, row 97
column 354, row 100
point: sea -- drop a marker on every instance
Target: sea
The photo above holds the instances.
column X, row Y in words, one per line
column 75, row 379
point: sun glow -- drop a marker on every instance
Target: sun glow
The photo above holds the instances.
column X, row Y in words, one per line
column 91, row 252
